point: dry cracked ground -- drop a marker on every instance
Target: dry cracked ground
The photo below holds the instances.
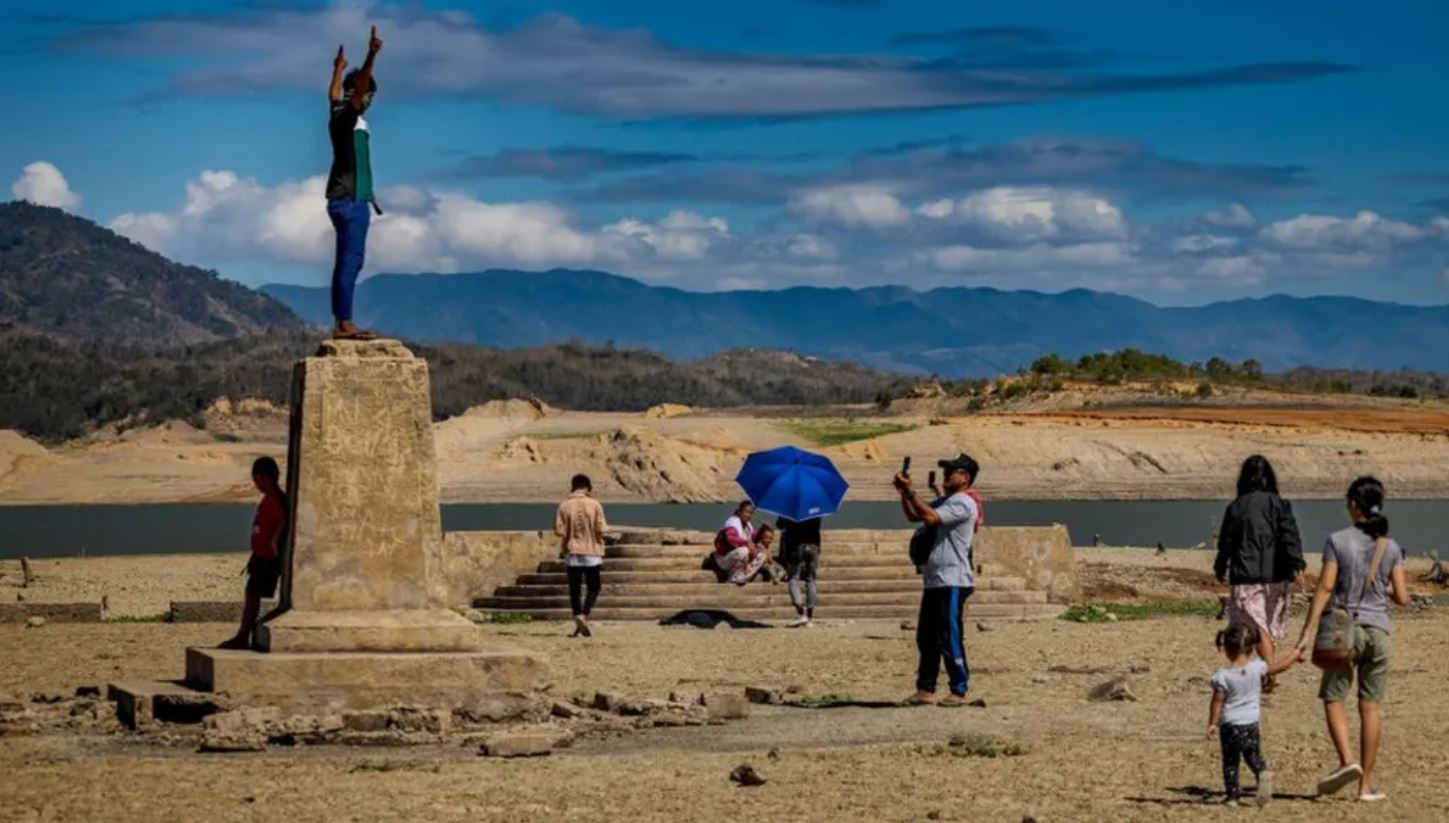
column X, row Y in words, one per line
column 1060, row 755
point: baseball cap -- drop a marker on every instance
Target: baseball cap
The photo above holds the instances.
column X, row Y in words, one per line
column 962, row 461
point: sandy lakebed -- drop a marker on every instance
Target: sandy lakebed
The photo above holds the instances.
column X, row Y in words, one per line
column 1075, row 759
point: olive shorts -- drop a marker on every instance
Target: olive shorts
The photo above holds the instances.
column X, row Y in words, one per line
column 1372, row 652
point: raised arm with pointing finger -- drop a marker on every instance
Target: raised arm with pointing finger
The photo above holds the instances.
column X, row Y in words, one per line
column 362, row 84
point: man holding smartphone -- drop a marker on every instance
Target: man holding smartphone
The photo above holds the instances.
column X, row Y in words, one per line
column 946, row 576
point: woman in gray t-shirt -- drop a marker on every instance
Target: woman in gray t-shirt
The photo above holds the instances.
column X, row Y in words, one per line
column 1346, row 559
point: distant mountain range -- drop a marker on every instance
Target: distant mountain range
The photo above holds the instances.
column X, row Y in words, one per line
column 64, row 275
column 954, row 332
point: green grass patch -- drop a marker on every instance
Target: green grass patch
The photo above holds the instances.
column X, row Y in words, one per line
column 816, row 701
column 973, row 744
column 395, row 766
column 838, row 431
column 565, row 435
column 498, row 618
column 136, row 618
column 1106, row 612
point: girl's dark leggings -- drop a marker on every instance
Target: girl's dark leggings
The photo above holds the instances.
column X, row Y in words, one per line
column 578, row 576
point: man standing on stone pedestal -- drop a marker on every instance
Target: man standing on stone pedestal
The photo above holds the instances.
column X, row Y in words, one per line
column 349, row 184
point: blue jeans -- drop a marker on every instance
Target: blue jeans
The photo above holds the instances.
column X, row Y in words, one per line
column 350, row 218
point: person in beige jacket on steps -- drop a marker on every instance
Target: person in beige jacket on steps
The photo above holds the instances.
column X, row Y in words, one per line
column 580, row 526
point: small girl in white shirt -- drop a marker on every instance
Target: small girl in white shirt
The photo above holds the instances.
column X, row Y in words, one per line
column 1235, row 711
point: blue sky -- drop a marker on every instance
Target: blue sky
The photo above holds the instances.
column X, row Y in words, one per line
column 1182, row 152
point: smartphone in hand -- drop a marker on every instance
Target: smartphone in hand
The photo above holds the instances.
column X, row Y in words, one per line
column 906, row 466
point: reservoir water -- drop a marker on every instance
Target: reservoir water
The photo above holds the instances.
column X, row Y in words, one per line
column 68, row 531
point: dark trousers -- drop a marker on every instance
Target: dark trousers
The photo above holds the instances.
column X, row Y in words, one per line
column 939, row 638
column 350, row 219
column 578, row 576
column 1239, row 741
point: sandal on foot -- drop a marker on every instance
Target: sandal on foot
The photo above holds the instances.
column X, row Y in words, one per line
column 1372, row 796
column 1335, row 782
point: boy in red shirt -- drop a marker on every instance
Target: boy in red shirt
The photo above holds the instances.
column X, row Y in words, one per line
column 264, row 569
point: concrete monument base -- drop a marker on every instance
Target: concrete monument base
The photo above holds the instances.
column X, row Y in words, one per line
column 365, row 622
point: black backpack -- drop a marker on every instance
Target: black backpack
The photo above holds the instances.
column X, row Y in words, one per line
column 922, row 541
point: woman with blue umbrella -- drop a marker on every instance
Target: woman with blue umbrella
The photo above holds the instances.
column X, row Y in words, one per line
column 801, row 488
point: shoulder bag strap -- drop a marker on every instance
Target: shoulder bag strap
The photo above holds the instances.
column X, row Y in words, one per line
column 1381, row 545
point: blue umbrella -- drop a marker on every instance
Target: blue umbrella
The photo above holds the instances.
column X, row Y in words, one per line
column 794, row 484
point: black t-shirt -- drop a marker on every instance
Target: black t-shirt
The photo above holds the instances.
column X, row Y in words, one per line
column 351, row 174
column 794, row 535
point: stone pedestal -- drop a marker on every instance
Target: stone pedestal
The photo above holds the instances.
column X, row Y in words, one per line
column 365, row 623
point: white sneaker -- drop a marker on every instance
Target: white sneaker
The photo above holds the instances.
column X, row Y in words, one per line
column 802, row 620
column 1372, row 796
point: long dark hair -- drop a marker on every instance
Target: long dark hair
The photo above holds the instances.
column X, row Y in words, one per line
column 1257, row 475
column 1367, row 493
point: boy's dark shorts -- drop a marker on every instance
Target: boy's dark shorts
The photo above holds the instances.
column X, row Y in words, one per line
column 262, row 576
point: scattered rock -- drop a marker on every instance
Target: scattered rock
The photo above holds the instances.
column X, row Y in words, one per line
column 726, row 706
column 635, row 708
column 494, row 709
column 87, row 691
column 607, row 701
column 564, row 710
column 398, row 719
column 774, row 753
column 244, row 730
column 245, row 740
column 34, row 621
column 982, row 627
column 978, row 703
column 1140, row 668
column 1039, row 679
column 1113, row 690
column 762, row 695
column 47, row 697
column 794, row 688
column 520, row 744
column 192, row 708
column 745, row 775
column 933, row 815
column 907, row 626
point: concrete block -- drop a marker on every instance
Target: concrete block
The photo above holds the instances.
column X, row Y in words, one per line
column 395, row 630
column 325, row 682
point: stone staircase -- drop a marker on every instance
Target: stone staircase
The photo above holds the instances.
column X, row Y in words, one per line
column 645, row 578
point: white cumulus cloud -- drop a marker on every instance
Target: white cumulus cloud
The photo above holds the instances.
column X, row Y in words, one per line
column 226, row 217
column 1364, row 231
column 44, row 184
column 681, row 235
column 1235, row 216
column 851, row 206
column 1032, row 213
